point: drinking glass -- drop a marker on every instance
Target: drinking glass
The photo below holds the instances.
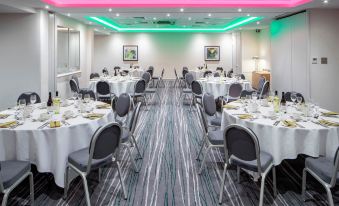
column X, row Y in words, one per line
column 22, row 103
column 293, row 97
column 33, row 99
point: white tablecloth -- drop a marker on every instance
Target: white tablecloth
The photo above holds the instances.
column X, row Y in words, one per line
column 197, row 74
column 287, row 143
column 118, row 86
column 49, row 148
column 219, row 87
column 136, row 72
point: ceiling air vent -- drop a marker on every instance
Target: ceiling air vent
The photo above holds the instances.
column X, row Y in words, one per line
column 139, row 17
column 164, row 22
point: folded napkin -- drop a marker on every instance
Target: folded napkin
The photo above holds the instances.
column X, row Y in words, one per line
column 245, row 116
column 289, row 123
column 4, row 116
column 229, row 106
column 8, row 124
column 54, row 124
column 93, row 116
column 329, row 123
column 103, row 106
column 330, row 113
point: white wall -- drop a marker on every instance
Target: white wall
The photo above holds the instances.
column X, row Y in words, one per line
column 19, row 56
column 265, row 49
column 289, row 47
column 162, row 50
column 86, row 47
column 250, row 48
column 324, row 39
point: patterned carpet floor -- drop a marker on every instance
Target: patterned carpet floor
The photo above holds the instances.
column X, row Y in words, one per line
column 169, row 136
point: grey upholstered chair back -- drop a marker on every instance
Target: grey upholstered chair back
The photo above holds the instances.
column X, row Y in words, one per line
column 150, row 70
column 235, row 90
column 265, row 89
column 134, row 118
column 185, row 68
column 27, row 97
column 140, row 86
column 288, row 96
column 94, row 75
column 230, row 73
column 90, row 92
column 206, row 73
column 242, row 143
column 196, row 88
column 244, row 93
column 189, row 79
column 216, row 74
column 262, row 81
column 220, row 69
column 74, row 86
column 76, row 80
column 105, row 71
column 203, row 119
column 146, row 76
column 104, row 143
column 335, row 169
column 184, row 72
column 103, row 88
column 123, row 105
column 242, row 76
column 117, row 68
column 209, row 105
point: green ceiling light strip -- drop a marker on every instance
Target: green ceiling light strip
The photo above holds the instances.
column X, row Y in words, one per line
column 109, row 23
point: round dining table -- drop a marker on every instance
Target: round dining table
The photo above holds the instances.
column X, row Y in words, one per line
column 218, row 86
column 306, row 135
column 48, row 148
column 118, row 84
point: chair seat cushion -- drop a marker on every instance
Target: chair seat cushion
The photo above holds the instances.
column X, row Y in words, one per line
column 150, row 90
column 12, row 171
column 186, row 90
column 323, row 167
column 265, row 160
column 216, row 137
column 216, row 121
column 79, row 159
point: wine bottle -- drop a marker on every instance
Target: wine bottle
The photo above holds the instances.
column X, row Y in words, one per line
column 56, row 103
column 283, row 102
column 49, row 102
column 276, row 102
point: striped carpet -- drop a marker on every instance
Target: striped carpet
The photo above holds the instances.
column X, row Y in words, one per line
column 169, row 136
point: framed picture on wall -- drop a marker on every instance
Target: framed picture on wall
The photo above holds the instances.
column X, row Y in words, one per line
column 130, row 52
column 212, row 53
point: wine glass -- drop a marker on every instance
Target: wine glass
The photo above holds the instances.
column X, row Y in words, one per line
column 293, row 97
column 33, row 99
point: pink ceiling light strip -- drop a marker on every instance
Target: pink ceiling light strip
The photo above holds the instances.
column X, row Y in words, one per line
column 176, row 3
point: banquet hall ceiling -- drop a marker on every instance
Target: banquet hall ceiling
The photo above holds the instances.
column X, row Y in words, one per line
column 194, row 17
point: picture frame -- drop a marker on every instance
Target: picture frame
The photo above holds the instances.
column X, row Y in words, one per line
column 130, row 53
column 212, row 53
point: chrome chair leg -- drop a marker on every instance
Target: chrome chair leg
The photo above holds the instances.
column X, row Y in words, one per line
column 100, row 173
column 274, row 182
column 329, row 196
column 238, row 174
column 203, row 160
column 84, row 180
column 66, row 182
column 121, row 180
column 132, row 159
column 136, row 146
column 31, row 188
column 4, row 199
column 222, row 183
column 303, row 186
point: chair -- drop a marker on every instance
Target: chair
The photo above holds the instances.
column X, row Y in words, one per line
column 242, row 76
column 124, row 72
column 75, row 78
column 242, row 150
column 27, row 97
column 220, row 70
column 94, row 75
column 210, row 108
column 147, row 77
column 325, row 171
column 230, row 73
column 159, row 79
column 103, row 91
column 105, row 71
column 150, row 70
column 206, row 73
column 90, row 92
column 103, row 150
column 122, row 108
column 74, row 86
column 288, row 96
column 212, row 139
column 177, row 79
column 234, row 92
column 116, row 70
column 197, row 92
column 216, row 74
column 245, row 93
column 265, row 90
column 12, row 173
column 261, row 83
column 139, row 90
column 189, row 78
